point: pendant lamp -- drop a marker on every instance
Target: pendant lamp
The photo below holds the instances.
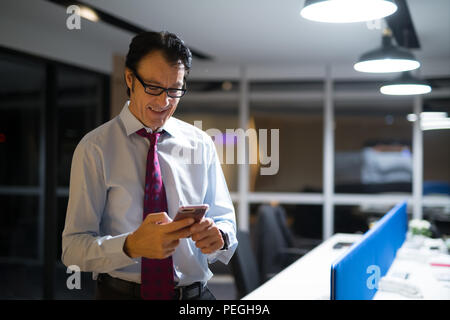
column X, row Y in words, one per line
column 387, row 58
column 342, row 11
column 406, row 84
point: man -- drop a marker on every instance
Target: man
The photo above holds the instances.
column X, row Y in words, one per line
column 130, row 175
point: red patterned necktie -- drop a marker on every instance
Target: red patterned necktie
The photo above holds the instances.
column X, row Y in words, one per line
column 156, row 274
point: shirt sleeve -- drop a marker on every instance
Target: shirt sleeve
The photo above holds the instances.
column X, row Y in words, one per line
column 82, row 244
column 221, row 207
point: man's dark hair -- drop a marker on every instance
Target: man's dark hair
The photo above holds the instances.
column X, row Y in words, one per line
column 171, row 46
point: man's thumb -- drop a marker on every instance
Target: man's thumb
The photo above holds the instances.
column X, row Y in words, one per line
column 157, row 218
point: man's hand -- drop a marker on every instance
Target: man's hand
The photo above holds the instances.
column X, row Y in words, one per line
column 207, row 236
column 157, row 237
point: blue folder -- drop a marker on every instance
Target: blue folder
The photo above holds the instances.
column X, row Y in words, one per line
column 355, row 275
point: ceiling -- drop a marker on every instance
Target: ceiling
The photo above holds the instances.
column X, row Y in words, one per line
column 267, row 34
column 272, row 31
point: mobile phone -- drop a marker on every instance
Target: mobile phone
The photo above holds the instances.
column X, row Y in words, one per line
column 192, row 211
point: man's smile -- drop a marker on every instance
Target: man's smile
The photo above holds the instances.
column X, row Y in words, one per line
column 157, row 110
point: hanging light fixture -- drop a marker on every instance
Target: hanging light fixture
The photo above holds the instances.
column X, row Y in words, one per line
column 431, row 120
column 435, row 124
column 89, row 14
column 427, row 116
column 387, row 58
column 342, row 11
column 406, row 84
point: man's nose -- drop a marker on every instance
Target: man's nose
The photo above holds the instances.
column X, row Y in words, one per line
column 162, row 100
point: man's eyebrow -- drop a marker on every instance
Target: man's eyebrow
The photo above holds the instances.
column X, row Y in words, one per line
column 152, row 81
column 155, row 82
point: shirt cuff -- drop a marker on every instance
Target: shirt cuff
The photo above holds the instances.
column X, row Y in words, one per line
column 113, row 249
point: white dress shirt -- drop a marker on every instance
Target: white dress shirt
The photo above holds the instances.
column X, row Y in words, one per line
column 107, row 189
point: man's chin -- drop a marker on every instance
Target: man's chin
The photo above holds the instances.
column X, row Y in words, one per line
column 154, row 125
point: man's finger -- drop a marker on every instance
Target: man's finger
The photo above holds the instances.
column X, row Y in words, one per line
column 205, row 243
column 178, row 225
column 179, row 234
column 200, row 235
column 209, row 231
column 213, row 247
column 204, row 224
column 157, row 218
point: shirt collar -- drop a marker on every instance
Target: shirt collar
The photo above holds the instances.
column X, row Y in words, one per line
column 132, row 124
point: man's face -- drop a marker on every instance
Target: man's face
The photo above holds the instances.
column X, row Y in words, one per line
column 153, row 69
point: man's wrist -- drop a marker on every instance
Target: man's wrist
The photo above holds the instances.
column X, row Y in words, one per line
column 127, row 247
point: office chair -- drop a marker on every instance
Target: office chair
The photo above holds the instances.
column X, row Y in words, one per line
column 244, row 267
column 274, row 242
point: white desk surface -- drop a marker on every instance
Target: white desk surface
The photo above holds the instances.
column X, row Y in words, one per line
column 309, row 278
column 417, row 263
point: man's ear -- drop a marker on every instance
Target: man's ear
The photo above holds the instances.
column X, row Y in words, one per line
column 129, row 79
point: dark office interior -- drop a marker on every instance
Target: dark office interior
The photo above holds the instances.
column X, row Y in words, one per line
column 48, row 103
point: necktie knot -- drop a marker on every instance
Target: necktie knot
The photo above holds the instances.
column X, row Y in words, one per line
column 153, row 137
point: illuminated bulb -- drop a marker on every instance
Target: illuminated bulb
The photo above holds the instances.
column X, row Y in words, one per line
column 406, row 84
column 387, row 58
column 342, row 11
column 89, row 14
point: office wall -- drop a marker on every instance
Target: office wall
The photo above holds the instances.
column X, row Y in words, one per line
column 118, row 86
column 436, row 155
column 301, row 152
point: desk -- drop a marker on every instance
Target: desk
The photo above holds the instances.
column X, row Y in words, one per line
column 418, row 263
column 309, row 277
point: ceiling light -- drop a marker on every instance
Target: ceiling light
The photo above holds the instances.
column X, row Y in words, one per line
column 406, row 84
column 227, row 86
column 432, row 115
column 411, row 117
column 89, row 14
column 387, row 58
column 435, row 124
column 427, row 115
column 341, row 11
column 431, row 120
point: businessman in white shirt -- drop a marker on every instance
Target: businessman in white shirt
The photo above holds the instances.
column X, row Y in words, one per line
column 105, row 232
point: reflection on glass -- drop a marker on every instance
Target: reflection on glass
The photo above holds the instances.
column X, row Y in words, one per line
column 354, row 219
column 22, row 93
column 20, row 108
column 19, row 220
column 79, row 106
column 22, row 150
column 373, row 152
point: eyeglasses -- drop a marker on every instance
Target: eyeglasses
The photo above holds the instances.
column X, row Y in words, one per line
column 156, row 90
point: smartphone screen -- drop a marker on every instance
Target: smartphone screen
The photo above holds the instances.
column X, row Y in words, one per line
column 193, row 211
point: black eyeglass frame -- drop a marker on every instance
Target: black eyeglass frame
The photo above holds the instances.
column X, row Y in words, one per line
column 166, row 90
